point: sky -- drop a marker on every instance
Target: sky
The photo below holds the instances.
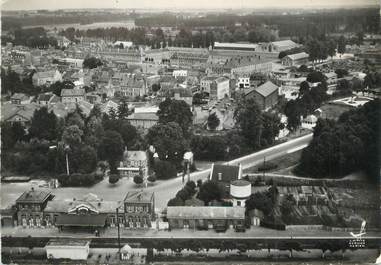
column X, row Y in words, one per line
column 176, row 4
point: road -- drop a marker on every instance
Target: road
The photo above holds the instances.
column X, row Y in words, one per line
column 164, row 189
column 169, row 188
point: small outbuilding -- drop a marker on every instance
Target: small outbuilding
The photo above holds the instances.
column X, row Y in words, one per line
column 73, row 249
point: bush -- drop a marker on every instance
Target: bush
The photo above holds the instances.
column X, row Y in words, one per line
column 152, row 178
column 267, row 166
column 164, row 170
column 138, row 179
column 113, row 178
column 78, row 180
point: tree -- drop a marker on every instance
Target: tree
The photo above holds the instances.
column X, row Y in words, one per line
column 175, row 202
column 57, row 87
column 271, row 128
column 11, row 133
column 339, row 148
column 315, row 77
column 341, row 44
column 286, row 207
column 164, row 170
column 91, row 62
column 168, row 141
column 123, row 109
column 304, row 88
column 210, row 191
column 152, row 178
column 113, row 178
column 72, row 136
column 343, row 87
column 138, row 180
column 261, row 201
column 155, row 87
column 111, row 148
column 213, row 121
column 249, row 121
column 341, row 72
column 43, row 124
column 87, row 159
column 176, row 111
column 292, row 111
column 76, row 118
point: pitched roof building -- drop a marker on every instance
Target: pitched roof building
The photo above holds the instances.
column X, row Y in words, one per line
column 266, row 95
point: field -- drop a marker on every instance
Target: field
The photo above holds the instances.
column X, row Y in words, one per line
column 284, row 164
column 333, row 111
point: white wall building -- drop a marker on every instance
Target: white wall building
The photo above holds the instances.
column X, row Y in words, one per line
column 68, row 249
column 177, row 73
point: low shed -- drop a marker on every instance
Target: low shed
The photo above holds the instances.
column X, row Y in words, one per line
column 68, row 249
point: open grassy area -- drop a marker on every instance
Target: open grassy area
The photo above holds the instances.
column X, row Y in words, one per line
column 333, row 111
column 284, row 164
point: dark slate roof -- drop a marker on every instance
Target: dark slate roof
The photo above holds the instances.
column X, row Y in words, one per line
column 265, row 90
column 68, row 242
column 205, row 212
column 94, row 220
column 34, row 196
column 139, row 196
column 229, row 173
column 45, row 97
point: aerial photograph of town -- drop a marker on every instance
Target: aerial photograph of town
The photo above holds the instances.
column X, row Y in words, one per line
column 190, row 132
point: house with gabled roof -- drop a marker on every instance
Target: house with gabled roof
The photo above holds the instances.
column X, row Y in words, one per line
column 46, row 77
column 72, row 95
column 295, row 59
column 266, row 95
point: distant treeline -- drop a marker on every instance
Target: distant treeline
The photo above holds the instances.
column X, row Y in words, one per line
column 312, row 24
column 12, row 22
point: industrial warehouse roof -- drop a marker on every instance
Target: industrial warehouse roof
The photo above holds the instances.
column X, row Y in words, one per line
column 265, row 90
column 285, row 43
column 235, row 45
column 298, row 56
column 205, row 212
column 94, row 220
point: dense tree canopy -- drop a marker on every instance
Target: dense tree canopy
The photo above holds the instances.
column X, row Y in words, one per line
column 259, row 129
column 92, row 62
column 213, row 121
column 43, row 124
column 210, row 191
column 168, row 141
column 176, row 111
column 111, row 149
column 342, row 147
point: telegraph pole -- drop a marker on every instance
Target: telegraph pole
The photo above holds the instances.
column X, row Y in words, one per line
column 117, row 221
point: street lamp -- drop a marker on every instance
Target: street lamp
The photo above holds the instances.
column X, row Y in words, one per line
column 67, row 149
